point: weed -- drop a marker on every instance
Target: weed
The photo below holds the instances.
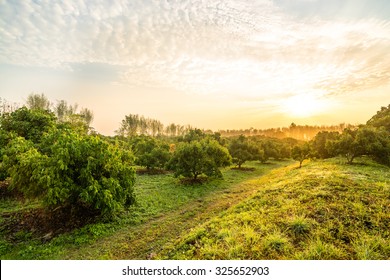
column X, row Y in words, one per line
column 300, row 226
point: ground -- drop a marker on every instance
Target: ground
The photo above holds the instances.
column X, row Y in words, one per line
column 325, row 210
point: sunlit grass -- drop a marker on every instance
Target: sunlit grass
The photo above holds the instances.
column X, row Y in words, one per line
column 325, row 210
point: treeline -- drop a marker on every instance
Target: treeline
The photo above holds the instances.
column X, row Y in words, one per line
column 133, row 125
column 300, row 132
column 371, row 139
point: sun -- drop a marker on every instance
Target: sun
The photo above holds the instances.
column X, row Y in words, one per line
column 304, row 106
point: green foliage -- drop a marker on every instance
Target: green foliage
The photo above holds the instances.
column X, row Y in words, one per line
column 193, row 135
column 150, row 152
column 363, row 141
column 319, row 145
column 380, row 148
column 381, row 119
column 27, row 123
column 4, row 139
column 69, row 118
column 242, row 150
column 300, row 226
column 273, row 147
column 24, row 163
column 81, row 172
column 178, row 207
column 300, row 153
column 199, row 157
column 76, row 123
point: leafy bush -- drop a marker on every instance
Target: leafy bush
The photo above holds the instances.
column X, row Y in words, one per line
column 366, row 140
column 70, row 170
column 151, row 153
column 27, row 123
column 242, row 150
column 300, row 153
column 199, row 157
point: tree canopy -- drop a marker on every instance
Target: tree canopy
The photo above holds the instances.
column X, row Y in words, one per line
column 242, row 150
column 198, row 157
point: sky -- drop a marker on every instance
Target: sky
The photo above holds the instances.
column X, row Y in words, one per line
column 215, row 64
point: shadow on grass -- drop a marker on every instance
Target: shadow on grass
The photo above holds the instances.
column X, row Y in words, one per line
column 244, row 168
column 145, row 171
column 194, row 182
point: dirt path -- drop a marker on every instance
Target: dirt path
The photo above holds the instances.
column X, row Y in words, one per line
column 146, row 240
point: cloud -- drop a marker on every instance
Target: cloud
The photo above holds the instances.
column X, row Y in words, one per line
column 238, row 48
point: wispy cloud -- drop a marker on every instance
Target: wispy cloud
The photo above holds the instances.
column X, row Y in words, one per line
column 242, row 48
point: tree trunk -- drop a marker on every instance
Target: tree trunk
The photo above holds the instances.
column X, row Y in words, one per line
column 350, row 158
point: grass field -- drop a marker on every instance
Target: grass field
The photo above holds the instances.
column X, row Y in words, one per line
column 325, row 210
column 165, row 210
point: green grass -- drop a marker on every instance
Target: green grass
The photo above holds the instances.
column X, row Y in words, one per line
column 325, row 210
column 164, row 209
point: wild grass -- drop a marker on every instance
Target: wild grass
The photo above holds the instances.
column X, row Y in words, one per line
column 325, row 210
column 164, row 209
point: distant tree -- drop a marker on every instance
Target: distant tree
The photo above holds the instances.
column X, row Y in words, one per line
column 193, row 135
column 171, row 130
column 271, row 149
column 156, row 127
column 38, row 102
column 262, row 156
column 198, row 157
column 284, row 151
column 218, row 137
column 129, row 126
column 242, row 150
column 7, row 107
column 63, row 111
column 300, row 153
column 87, row 116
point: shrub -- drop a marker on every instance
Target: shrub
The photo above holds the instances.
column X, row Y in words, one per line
column 199, row 157
column 151, row 153
column 27, row 123
column 80, row 172
column 242, row 150
column 300, row 153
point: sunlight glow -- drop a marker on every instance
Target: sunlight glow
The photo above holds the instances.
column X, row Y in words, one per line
column 304, row 106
